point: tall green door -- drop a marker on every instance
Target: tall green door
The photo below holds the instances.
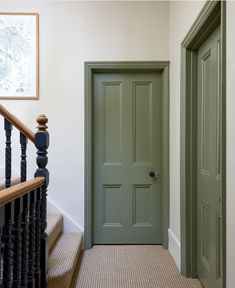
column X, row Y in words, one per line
column 208, row 162
column 127, row 158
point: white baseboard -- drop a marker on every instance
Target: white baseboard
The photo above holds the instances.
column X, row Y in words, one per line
column 174, row 248
column 69, row 224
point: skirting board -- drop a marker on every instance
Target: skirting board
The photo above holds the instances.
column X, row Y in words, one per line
column 174, row 248
column 69, row 224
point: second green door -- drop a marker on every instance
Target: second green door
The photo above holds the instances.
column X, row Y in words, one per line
column 209, row 163
column 127, row 158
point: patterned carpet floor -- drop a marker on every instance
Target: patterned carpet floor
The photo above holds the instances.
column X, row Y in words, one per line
column 130, row 266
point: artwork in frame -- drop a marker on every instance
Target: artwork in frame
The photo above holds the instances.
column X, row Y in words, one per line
column 19, row 56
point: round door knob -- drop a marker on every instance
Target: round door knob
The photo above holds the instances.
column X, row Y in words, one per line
column 151, row 174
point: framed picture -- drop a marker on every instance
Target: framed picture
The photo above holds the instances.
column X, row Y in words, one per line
column 19, row 56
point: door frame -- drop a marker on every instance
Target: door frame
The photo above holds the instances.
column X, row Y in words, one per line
column 107, row 67
column 212, row 14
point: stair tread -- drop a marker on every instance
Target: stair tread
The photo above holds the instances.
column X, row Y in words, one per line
column 54, row 228
column 63, row 260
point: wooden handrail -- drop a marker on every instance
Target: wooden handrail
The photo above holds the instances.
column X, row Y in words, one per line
column 9, row 194
column 17, row 123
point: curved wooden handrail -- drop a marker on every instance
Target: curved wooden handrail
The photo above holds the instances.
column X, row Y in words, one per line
column 9, row 194
column 17, row 123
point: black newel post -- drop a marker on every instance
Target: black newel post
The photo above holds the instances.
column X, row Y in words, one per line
column 42, row 143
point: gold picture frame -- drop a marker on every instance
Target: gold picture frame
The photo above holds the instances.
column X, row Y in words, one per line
column 19, row 56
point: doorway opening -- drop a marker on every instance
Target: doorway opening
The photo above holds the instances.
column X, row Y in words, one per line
column 92, row 69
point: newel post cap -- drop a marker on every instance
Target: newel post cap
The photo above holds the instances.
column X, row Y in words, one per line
column 42, row 121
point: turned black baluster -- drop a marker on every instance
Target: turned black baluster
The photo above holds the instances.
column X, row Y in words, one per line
column 8, row 128
column 38, row 227
column 16, row 282
column 9, row 213
column 17, row 232
column 24, row 218
column 31, row 242
column 23, row 163
column 25, row 241
column 2, row 221
column 7, row 246
column 42, row 143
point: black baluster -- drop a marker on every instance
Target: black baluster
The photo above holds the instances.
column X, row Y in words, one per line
column 17, row 232
column 16, row 283
column 23, row 163
column 25, row 241
column 42, row 143
column 7, row 247
column 2, row 220
column 24, row 220
column 9, row 213
column 8, row 128
column 38, row 228
column 31, row 252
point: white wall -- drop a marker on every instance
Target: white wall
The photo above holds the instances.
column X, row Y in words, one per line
column 230, row 143
column 71, row 33
column 182, row 14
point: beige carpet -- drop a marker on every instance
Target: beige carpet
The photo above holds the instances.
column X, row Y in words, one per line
column 130, row 266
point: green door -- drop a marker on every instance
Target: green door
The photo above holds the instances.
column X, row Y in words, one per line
column 208, row 162
column 127, row 158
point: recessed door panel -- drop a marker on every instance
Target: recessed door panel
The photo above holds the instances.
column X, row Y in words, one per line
column 142, row 210
column 205, row 233
column 112, row 122
column 111, row 205
column 142, row 94
column 206, row 101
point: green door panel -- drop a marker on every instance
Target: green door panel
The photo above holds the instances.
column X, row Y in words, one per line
column 208, row 162
column 127, row 146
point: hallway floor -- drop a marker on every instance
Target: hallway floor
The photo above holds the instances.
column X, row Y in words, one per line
column 130, row 266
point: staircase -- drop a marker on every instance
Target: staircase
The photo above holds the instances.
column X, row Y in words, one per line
column 23, row 218
column 64, row 249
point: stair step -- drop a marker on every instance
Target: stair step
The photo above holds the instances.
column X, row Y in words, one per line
column 63, row 260
column 54, row 228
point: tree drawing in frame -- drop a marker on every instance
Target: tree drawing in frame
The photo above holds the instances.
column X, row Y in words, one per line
column 19, row 71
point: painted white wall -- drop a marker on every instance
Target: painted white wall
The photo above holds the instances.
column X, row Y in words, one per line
column 71, row 33
column 230, row 143
column 182, row 14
